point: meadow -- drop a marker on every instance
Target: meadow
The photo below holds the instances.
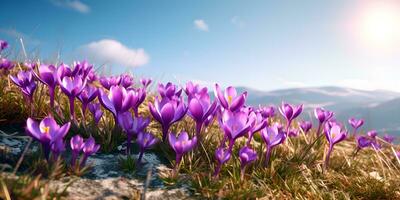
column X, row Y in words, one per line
column 213, row 144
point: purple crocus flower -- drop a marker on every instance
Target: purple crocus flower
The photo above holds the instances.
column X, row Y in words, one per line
column 235, row 125
column 259, row 123
column 334, row 134
column 48, row 76
column 117, row 101
column 96, row 111
column 272, row 137
column 267, row 112
column 293, row 132
column 76, row 143
column 389, row 138
column 3, row 45
column 169, row 91
column 27, row 84
column 30, row 65
column 322, row 116
column 108, row 82
column 92, row 76
column 230, row 100
column 88, row 94
column 246, row 156
column 356, row 123
column 57, row 147
column 181, row 145
column 46, row 132
column 372, row 134
column 145, row 140
column 89, row 148
column 82, row 68
column 126, row 80
column 305, row 126
column 363, row 142
column 138, row 97
column 376, row 144
column 222, row 155
column 210, row 119
column 333, row 122
column 132, row 126
column 145, row 82
column 71, row 83
column 200, row 108
column 290, row 112
column 6, row 64
column 193, row 89
column 167, row 112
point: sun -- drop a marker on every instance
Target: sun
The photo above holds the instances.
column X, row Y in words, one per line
column 379, row 24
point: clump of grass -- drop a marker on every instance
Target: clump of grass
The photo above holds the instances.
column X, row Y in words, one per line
column 49, row 169
column 79, row 171
column 169, row 178
column 27, row 187
column 295, row 171
column 127, row 164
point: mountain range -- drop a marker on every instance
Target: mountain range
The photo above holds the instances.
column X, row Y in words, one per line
column 379, row 108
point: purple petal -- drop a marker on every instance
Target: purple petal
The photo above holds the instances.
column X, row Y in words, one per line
column 196, row 109
column 33, row 128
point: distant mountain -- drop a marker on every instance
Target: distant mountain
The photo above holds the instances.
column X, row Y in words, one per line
column 383, row 116
column 380, row 108
column 329, row 97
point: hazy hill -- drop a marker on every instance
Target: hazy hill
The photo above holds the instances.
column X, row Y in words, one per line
column 380, row 108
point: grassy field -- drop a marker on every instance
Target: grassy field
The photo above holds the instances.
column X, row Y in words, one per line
column 295, row 169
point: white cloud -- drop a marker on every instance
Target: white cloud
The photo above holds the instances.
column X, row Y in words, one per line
column 200, row 24
column 237, row 21
column 76, row 5
column 108, row 51
column 19, row 35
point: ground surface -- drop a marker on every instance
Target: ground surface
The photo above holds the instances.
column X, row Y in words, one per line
column 105, row 180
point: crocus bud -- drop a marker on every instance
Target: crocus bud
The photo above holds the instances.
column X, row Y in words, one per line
column 222, row 155
column 46, row 132
column 181, row 145
column 246, row 156
column 89, row 148
column 334, row 134
column 305, row 126
column 76, row 143
column 145, row 140
column 230, row 100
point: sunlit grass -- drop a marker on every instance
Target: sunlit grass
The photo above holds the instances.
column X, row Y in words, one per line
column 295, row 169
column 27, row 187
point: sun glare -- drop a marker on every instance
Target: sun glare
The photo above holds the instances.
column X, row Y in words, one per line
column 379, row 24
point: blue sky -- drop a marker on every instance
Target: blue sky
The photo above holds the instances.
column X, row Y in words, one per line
column 262, row 44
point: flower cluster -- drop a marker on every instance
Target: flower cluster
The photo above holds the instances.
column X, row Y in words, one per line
column 124, row 99
column 52, row 138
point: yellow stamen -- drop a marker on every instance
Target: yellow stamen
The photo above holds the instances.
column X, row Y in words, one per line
column 46, row 130
column 230, row 99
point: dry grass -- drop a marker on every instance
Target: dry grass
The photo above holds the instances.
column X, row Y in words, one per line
column 295, row 170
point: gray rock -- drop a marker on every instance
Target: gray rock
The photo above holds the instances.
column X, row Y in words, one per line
column 106, row 180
